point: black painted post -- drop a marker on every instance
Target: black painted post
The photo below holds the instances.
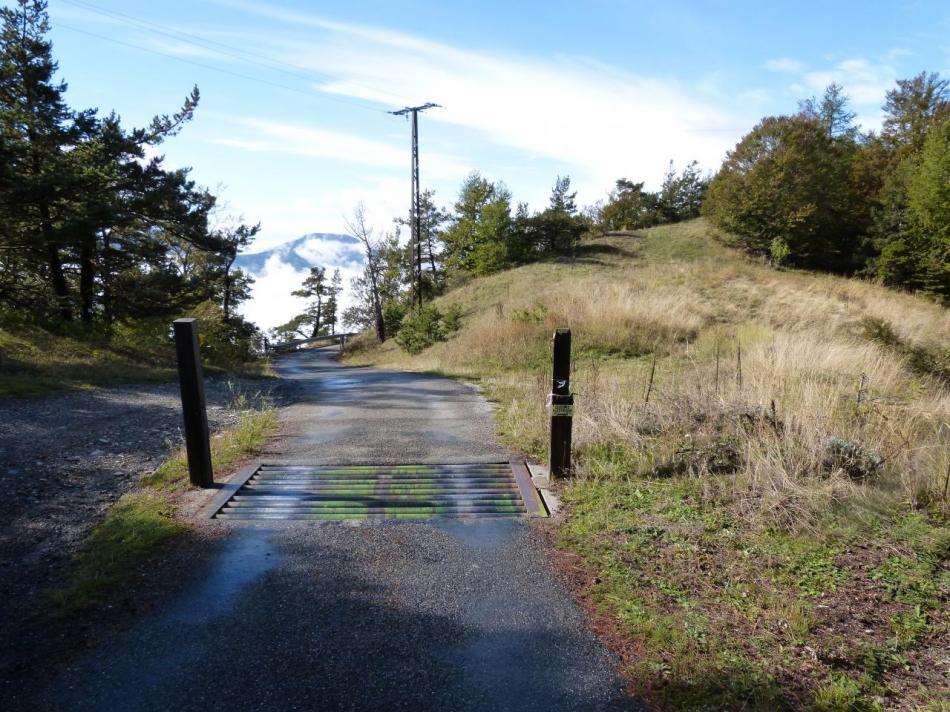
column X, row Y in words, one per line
column 191, row 380
column 562, row 405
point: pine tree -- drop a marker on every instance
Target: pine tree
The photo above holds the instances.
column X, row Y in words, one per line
column 314, row 288
column 332, row 305
column 38, row 132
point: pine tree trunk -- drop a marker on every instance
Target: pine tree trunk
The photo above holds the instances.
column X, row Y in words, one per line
column 226, row 307
column 57, row 276
column 87, row 278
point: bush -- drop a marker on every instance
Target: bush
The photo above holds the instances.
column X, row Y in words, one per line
column 452, row 320
column 393, row 314
column 532, row 315
column 224, row 344
column 421, row 329
column 425, row 326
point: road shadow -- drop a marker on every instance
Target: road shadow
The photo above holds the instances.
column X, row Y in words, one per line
column 312, row 628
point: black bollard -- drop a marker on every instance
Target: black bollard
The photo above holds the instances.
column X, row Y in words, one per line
column 195, row 415
column 562, row 405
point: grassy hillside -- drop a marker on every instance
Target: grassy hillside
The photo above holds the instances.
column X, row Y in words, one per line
column 33, row 359
column 762, row 522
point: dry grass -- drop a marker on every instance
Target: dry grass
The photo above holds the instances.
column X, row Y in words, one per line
column 802, row 345
column 761, row 460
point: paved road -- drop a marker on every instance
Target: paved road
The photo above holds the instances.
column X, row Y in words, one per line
column 375, row 616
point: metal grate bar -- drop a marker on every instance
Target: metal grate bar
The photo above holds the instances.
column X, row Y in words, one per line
column 371, row 492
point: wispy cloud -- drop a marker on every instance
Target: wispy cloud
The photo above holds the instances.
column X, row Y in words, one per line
column 330, row 252
column 785, row 64
column 865, row 80
column 263, row 136
column 593, row 118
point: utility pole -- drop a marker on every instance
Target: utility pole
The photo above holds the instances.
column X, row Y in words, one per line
column 415, row 213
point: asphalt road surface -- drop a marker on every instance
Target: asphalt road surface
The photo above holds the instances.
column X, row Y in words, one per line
column 447, row 615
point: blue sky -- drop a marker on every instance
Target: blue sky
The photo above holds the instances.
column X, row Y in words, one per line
column 296, row 132
column 598, row 90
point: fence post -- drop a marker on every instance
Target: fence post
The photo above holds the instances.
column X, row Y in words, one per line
column 562, row 405
column 195, row 414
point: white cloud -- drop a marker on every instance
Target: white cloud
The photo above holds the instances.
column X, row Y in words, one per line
column 864, row 81
column 785, row 64
column 316, row 142
column 184, row 50
column 329, row 252
column 271, row 302
column 598, row 121
column 288, row 216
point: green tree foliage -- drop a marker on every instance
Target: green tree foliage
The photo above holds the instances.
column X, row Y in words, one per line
column 811, row 190
column 90, row 228
column 423, row 327
column 787, row 180
column 631, row 207
column 912, row 108
column 331, row 309
column 314, row 289
column 556, row 230
column 832, row 112
column 319, row 317
column 297, row 327
column 479, row 239
column 919, row 257
column 432, row 219
column 681, row 195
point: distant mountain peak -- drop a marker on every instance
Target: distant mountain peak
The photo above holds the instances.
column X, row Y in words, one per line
column 315, row 249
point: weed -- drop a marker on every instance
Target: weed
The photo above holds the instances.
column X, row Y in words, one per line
column 907, row 580
column 730, row 520
column 246, row 438
column 536, row 314
column 843, row 694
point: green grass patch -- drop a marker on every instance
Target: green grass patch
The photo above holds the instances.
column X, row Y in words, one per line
column 724, row 612
column 246, row 438
column 924, row 359
column 132, row 529
column 34, row 359
column 143, row 520
column 744, row 567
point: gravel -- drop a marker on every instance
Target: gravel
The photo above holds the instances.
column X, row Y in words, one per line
column 65, row 457
column 417, row 616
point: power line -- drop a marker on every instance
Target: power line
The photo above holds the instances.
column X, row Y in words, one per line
column 415, row 217
column 238, row 53
column 247, row 77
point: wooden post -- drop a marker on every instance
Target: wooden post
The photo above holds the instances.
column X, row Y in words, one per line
column 562, row 405
column 195, row 414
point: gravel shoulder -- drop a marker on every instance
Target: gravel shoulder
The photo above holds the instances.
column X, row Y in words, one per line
column 465, row 615
column 65, row 457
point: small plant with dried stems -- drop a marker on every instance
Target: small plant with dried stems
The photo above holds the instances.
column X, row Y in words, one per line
column 746, row 446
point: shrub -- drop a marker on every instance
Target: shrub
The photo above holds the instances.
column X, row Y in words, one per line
column 452, row 319
column 532, row 315
column 393, row 314
column 224, row 344
column 421, row 329
column 856, row 461
column 780, row 251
